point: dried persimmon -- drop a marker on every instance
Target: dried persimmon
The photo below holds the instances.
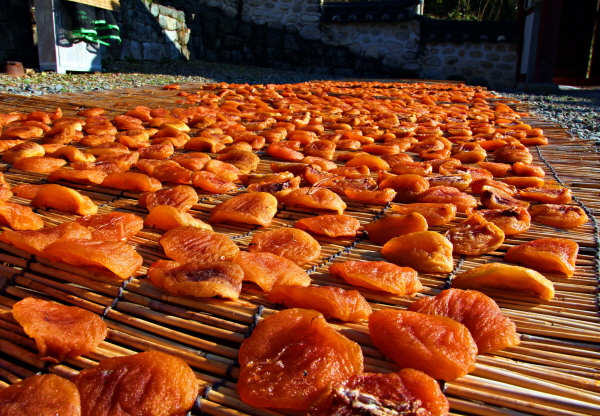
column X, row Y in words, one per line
column 332, row 302
column 39, row 164
column 166, row 217
column 117, row 257
column 186, row 244
column 85, row 176
column 147, row 383
column 505, row 277
column 548, row 194
column 475, row 236
column 424, row 251
column 556, row 215
column 63, row 199
column 182, row 197
column 440, row 347
column 449, row 195
column 491, row 330
column 546, row 255
column 384, row 229
column 408, row 187
column 269, row 270
column 35, row 241
column 291, row 243
column 59, row 331
column 378, row 275
column 292, row 357
column 512, row 221
column 131, row 181
column 40, row 395
column 18, row 217
column 210, row 182
column 495, row 198
column 330, row 225
column 198, row 279
column 248, row 208
column 435, row 214
column 407, row 391
column 316, row 198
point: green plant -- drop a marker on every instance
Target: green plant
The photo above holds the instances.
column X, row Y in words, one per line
column 481, row 10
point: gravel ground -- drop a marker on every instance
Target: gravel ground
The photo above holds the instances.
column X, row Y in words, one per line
column 575, row 109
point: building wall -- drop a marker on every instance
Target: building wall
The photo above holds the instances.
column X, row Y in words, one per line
column 16, row 34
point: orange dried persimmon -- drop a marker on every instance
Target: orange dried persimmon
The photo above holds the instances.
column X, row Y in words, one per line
column 114, row 226
column 546, row 255
column 378, row 275
column 291, row 243
column 22, row 150
column 131, row 181
column 243, row 160
column 477, row 186
column 509, row 154
column 159, row 151
column 316, row 198
column 27, row 190
column 191, row 160
column 408, row 187
column 371, row 161
column 39, row 164
column 210, row 182
column 562, row 216
column 198, row 279
column 495, row 198
column 41, row 395
column 475, row 236
column 63, row 199
column 547, row 194
column 407, row 390
column 85, row 176
column 18, row 217
column 499, row 170
column 281, row 150
column 224, row 170
column 330, row 225
column 521, row 182
column 512, row 221
column 376, row 197
column 117, row 257
column 413, row 168
column 248, row 208
column 491, row 330
column 527, row 170
column 384, row 229
column 440, row 347
column 269, row 270
column 166, row 217
column 505, row 277
column 460, row 181
column 435, row 214
column 332, row 302
column 59, row 331
column 159, row 383
column 186, row 244
column 449, row 195
column 182, row 197
column 171, row 171
column 292, row 357
column 73, row 154
column 352, row 172
column 35, row 241
column 424, row 251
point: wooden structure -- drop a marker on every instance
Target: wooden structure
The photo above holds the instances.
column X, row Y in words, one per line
column 560, row 42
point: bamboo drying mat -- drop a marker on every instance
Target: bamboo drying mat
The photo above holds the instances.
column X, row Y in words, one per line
column 555, row 370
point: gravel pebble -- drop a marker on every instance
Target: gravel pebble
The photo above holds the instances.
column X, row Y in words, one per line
column 578, row 110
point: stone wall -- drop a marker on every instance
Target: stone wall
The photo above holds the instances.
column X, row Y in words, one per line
column 16, row 35
column 150, row 32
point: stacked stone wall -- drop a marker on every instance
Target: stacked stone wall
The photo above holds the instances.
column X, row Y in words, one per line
column 16, row 34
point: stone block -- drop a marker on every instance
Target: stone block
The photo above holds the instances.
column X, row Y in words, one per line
column 141, row 31
column 372, row 52
column 137, row 50
column 472, row 64
column 509, row 58
column 466, row 71
column 486, row 64
column 290, row 43
column 433, row 61
column 310, row 32
column 391, row 61
column 230, row 11
column 412, row 66
column 505, row 66
column 152, row 51
column 410, row 55
column 269, row 5
column 355, row 49
column 171, row 36
column 394, row 47
column 310, row 19
column 450, row 60
column 228, row 26
column 154, row 9
column 432, row 74
column 475, row 54
column 492, row 57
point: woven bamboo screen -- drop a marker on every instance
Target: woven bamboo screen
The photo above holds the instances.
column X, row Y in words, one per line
column 113, row 5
